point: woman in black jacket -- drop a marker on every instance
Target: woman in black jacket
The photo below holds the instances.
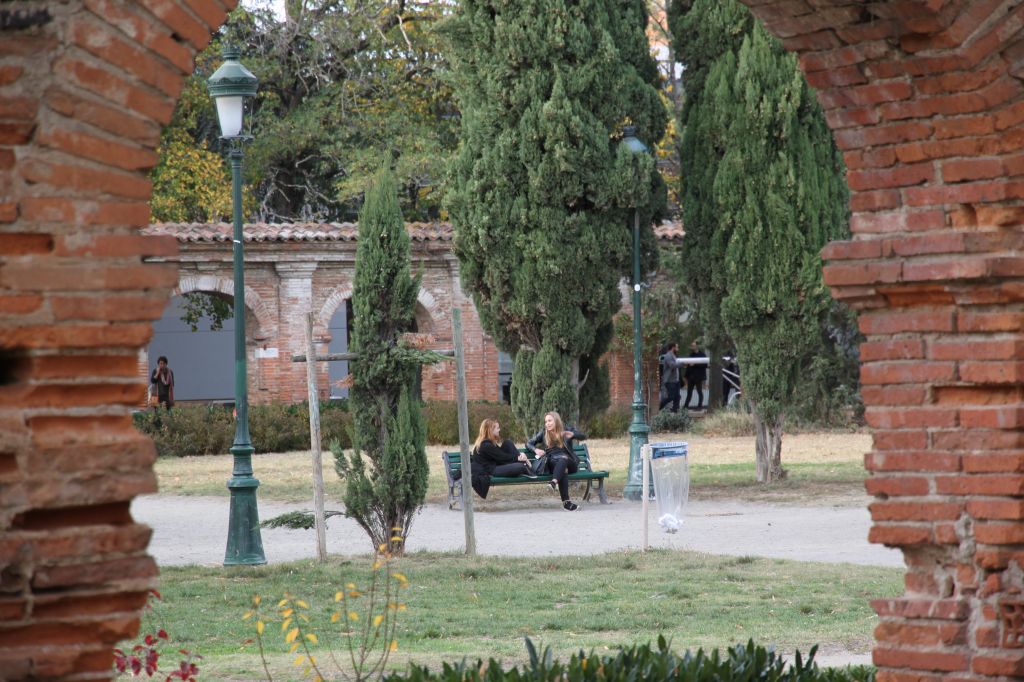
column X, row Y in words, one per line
column 555, row 442
column 491, row 459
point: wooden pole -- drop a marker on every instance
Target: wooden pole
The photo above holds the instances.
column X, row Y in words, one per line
column 467, row 466
column 645, row 462
column 314, row 441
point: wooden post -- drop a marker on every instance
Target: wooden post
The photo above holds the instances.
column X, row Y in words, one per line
column 314, row 441
column 645, row 462
column 467, row 466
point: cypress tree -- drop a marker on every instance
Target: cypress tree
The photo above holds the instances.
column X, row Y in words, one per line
column 386, row 473
column 540, row 193
column 765, row 191
column 704, row 32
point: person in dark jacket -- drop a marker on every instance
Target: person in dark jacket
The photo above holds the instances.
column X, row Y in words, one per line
column 162, row 379
column 554, row 442
column 695, row 377
column 669, row 376
column 492, row 459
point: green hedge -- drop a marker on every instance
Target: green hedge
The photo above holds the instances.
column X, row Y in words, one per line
column 277, row 427
column 741, row 663
column 210, row 429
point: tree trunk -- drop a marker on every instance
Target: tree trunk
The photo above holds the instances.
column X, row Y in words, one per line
column 714, row 376
column 768, row 446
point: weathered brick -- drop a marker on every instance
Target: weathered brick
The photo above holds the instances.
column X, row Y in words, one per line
column 897, row 486
column 920, row 461
column 909, row 372
column 907, row 321
column 915, row 511
column 919, row 660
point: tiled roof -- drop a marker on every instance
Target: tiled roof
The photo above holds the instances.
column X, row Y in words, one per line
column 288, row 232
column 326, row 232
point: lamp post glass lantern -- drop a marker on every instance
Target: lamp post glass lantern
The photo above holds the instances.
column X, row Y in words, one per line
column 230, row 86
column 638, row 428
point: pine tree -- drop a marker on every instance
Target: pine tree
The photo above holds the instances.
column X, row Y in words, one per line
column 540, row 192
column 765, row 191
column 386, row 474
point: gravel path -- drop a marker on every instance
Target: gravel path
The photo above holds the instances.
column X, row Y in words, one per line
column 193, row 530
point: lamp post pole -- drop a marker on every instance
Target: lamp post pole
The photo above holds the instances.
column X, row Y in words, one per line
column 245, row 544
column 229, row 86
column 638, row 428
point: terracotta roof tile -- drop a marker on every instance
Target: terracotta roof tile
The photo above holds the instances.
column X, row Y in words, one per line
column 325, row 232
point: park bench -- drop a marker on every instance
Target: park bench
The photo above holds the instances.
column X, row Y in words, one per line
column 453, row 463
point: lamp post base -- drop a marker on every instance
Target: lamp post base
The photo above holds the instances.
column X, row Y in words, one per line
column 245, row 544
column 638, row 431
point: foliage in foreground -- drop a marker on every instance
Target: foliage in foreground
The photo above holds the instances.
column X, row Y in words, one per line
column 750, row 662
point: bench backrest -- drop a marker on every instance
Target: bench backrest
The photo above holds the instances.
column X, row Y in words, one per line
column 453, row 458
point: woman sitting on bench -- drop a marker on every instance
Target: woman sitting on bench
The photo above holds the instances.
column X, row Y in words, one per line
column 491, row 459
column 554, row 442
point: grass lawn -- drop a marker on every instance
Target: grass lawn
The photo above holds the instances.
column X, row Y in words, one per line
column 824, row 468
column 483, row 607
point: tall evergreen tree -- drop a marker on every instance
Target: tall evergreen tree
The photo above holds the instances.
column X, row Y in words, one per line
column 540, row 192
column 705, row 31
column 386, row 473
column 765, row 191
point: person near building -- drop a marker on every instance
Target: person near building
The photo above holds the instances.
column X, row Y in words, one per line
column 728, row 380
column 695, row 376
column 162, row 381
column 668, row 364
column 493, row 456
column 553, row 446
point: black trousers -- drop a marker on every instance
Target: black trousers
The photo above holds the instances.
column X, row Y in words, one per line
column 511, row 469
column 561, row 467
column 671, row 396
column 697, row 386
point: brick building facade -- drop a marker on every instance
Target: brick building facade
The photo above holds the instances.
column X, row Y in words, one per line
column 296, row 268
column 925, row 100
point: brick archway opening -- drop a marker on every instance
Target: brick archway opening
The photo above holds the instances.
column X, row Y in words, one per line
column 924, row 98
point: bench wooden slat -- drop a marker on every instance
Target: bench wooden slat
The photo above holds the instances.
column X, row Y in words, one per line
column 453, row 463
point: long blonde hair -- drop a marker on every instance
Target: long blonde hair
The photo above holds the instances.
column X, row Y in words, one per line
column 555, row 440
column 486, row 427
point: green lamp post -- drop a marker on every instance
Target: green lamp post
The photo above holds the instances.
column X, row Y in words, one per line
column 638, row 428
column 229, row 86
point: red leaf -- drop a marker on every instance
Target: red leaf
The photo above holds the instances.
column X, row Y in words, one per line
column 162, row 634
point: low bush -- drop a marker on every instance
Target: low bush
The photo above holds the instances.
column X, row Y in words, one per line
column 734, row 420
column 190, row 430
column 749, row 662
column 442, row 420
column 667, row 421
column 612, row 423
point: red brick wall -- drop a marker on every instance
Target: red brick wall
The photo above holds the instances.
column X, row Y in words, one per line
column 925, row 102
column 85, row 87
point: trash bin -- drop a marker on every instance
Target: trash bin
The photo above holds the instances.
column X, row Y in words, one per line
column 670, row 469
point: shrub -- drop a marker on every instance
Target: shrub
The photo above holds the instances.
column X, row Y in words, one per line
column 667, row 421
column 612, row 423
column 735, row 420
column 741, row 662
column 190, row 430
column 442, row 418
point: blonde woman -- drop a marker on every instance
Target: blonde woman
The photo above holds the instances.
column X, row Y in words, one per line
column 493, row 456
column 555, row 443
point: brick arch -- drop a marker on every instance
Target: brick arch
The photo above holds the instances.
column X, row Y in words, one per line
column 926, row 103
column 924, row 100
column 253, row 302
column 426, row 307
column 334, row 301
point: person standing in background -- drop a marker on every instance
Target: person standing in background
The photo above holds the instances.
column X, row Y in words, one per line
column 669, row 365
column 163, row 380
column 695, row 377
